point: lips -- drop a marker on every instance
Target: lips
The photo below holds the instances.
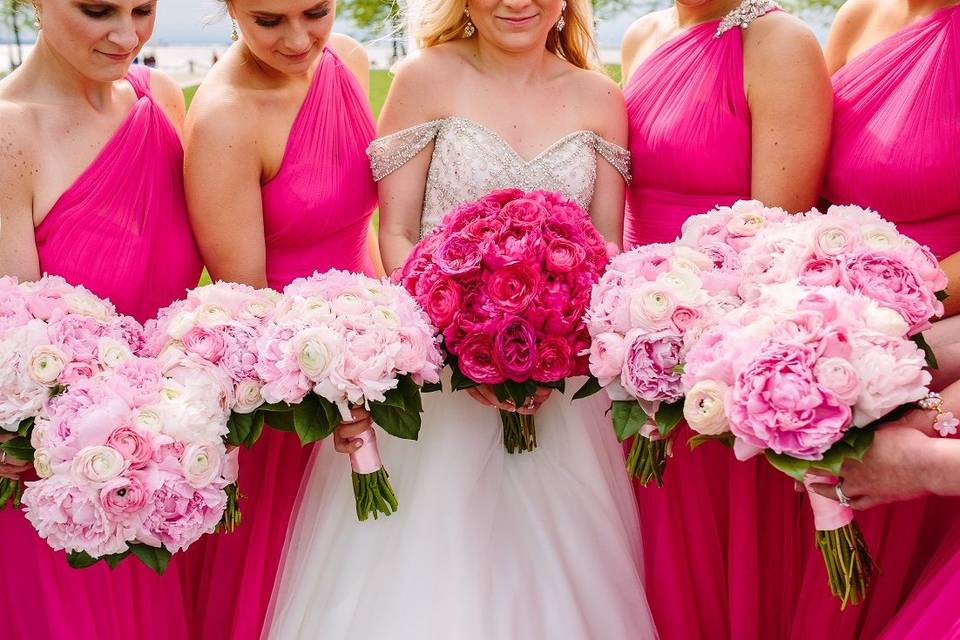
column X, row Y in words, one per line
column 118, row 57
column 519, row 21
column 297, row 57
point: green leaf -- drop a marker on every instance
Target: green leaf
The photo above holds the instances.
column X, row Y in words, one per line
column 559, row 385
column 853, row 446
column 628, row 418
column 431, row 387
column 25, row 427
column 700, row 439
column 678, row 368
column 942, row 295
column 18, row 448
column 81, row 560
column 458, row 381
column 277, row 407
column 244, row 428
column 410, row 393
column 157, row 558
column 927, row 351
column 115, row 559
column 590, row 387
column 315, row 418
column 399, row 413
column 519, row 392
column 668, row 416
column 793, row 467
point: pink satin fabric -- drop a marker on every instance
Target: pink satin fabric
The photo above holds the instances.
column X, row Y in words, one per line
column 722, row 539
column 316, row 217
column 120, row 229
column 828, row 514
column 366, row 459
column 896, row 148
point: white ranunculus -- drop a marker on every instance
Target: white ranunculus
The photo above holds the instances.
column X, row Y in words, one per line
column 316, row 351
column 45, row 364
column 248, row 397
column 98, row 464
column 704, row 409
column 201, row 464
column 111, row 353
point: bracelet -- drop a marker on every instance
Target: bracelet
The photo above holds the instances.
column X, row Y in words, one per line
column 945, row 423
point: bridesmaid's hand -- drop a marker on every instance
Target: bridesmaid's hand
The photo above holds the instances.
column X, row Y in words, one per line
column 345, row 436
column 10, row 468
column 533, row 404
column 484, row 395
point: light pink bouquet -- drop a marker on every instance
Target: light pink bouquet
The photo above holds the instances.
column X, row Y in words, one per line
column 52, row 335
column 131, row 461
column 801, row 374
column 216, row 328
column 340, row 340
column 649, row 307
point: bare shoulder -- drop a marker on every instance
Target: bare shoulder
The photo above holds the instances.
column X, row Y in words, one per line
column 848, row 26
column 642, row 37
column 168, row 95
column 222, row 116
column 421, row 87
column 780, row 47
column 601, row 102
column 353, row 54
column 16, row 120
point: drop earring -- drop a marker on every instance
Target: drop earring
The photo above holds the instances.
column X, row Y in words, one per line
column 562, row 22
column 234, row 35
column 469, row 29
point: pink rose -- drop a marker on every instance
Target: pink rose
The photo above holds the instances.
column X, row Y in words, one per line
column 554, row 360
column 516, row 349
column 838, row 376
column 442, row 302
column 75, row 372
column 123, row 496
column 777, row 404
column 892, row 283
column 563, row 255
column 513, row 287
column 476, row 359
column 132, row 445
column 820, row 272
column 204, row 343
column 650, row 366
column 685, row 317
column 457, row 256
column 606, row 357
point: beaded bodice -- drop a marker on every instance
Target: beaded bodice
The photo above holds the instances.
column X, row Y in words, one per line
column 469, row 161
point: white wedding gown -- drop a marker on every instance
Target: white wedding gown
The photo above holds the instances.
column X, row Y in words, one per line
column 486, row 545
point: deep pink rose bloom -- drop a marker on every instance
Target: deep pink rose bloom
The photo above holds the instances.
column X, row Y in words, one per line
column 514, row 286
column 516, row 349
column 554, row 360
column 563, row 255
column 649, row 366
column 684, row 317
column 442, row 302
column 892, row 283
column 457, row 256
column 476, row 359
column 524, row 213
column 776, row 403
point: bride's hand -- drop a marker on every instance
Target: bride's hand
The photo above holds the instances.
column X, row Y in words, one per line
column 10, row 468
column 345, row 436
column 484, row 395
column 533, row 404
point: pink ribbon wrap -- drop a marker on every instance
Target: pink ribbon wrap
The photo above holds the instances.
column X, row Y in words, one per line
column 828, row 515
column 366, row 459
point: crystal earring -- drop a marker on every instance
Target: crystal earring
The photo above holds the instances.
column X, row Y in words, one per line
column 235, row 35
column 36, row 16
column 469, row 29
column 562, row 22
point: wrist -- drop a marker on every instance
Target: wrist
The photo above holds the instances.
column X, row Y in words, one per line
column 943, row 470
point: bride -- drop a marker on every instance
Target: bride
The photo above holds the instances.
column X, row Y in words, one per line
column 486, row 545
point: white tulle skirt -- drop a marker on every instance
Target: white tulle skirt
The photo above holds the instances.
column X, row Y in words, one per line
column 486, row 545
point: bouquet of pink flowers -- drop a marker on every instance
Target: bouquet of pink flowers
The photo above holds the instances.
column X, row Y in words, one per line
column 217, row 328
column 340, row 340
column 507, row 280
column 646, row 312
column 52, row 335
column 131, row 461
column 801, row 374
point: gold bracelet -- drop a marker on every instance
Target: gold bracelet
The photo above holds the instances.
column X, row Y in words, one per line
column 945, row 423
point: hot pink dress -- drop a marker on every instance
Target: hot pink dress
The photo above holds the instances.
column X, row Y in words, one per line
column 121, row 229
column 896, row 148
column 316, row 217
column 723, row 550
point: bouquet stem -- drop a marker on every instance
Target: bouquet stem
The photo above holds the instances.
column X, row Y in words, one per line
column 10, row 493
column 647, row 459
column 371, row 482
column 849, row 566
column 231, row 515
column 519, row 432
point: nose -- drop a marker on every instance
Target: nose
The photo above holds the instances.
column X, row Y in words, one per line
column 125, row 35
column 297, row 39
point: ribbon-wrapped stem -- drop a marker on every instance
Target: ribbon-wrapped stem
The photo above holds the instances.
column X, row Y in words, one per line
column 10, row 493
column 519, row 432
column 845, row 553
column 371, row 483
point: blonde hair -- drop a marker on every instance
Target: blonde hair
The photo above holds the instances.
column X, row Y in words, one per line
column 438, row 21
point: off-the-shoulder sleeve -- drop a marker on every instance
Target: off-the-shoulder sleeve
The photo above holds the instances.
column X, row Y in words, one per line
column 615, row 155
column 389, row 153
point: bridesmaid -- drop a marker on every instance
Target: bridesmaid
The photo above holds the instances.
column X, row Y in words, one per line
column 896, row 148
column 726, row 102
column 279, row 186
column 91, row 189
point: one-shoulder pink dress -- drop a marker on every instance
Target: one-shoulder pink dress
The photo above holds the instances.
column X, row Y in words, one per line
column 896, row 148
column 316, row 213
column 121, row 230
column 723, row 550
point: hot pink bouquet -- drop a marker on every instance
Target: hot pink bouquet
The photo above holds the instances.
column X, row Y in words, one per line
column 801, row 374
column 339, row 340
column 507, row 280
column 131, row 461
column 648, row 309
column 52, row 335
column 216, row 328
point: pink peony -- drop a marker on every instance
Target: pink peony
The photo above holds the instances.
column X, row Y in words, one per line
column 649, row 371
column 892, row 283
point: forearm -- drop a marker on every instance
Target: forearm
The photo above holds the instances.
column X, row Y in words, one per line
column 943, row 469
column 395, row 247
column 944, row 339
column 951, row 267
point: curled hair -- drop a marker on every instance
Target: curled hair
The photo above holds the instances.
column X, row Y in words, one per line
column 437, row 21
